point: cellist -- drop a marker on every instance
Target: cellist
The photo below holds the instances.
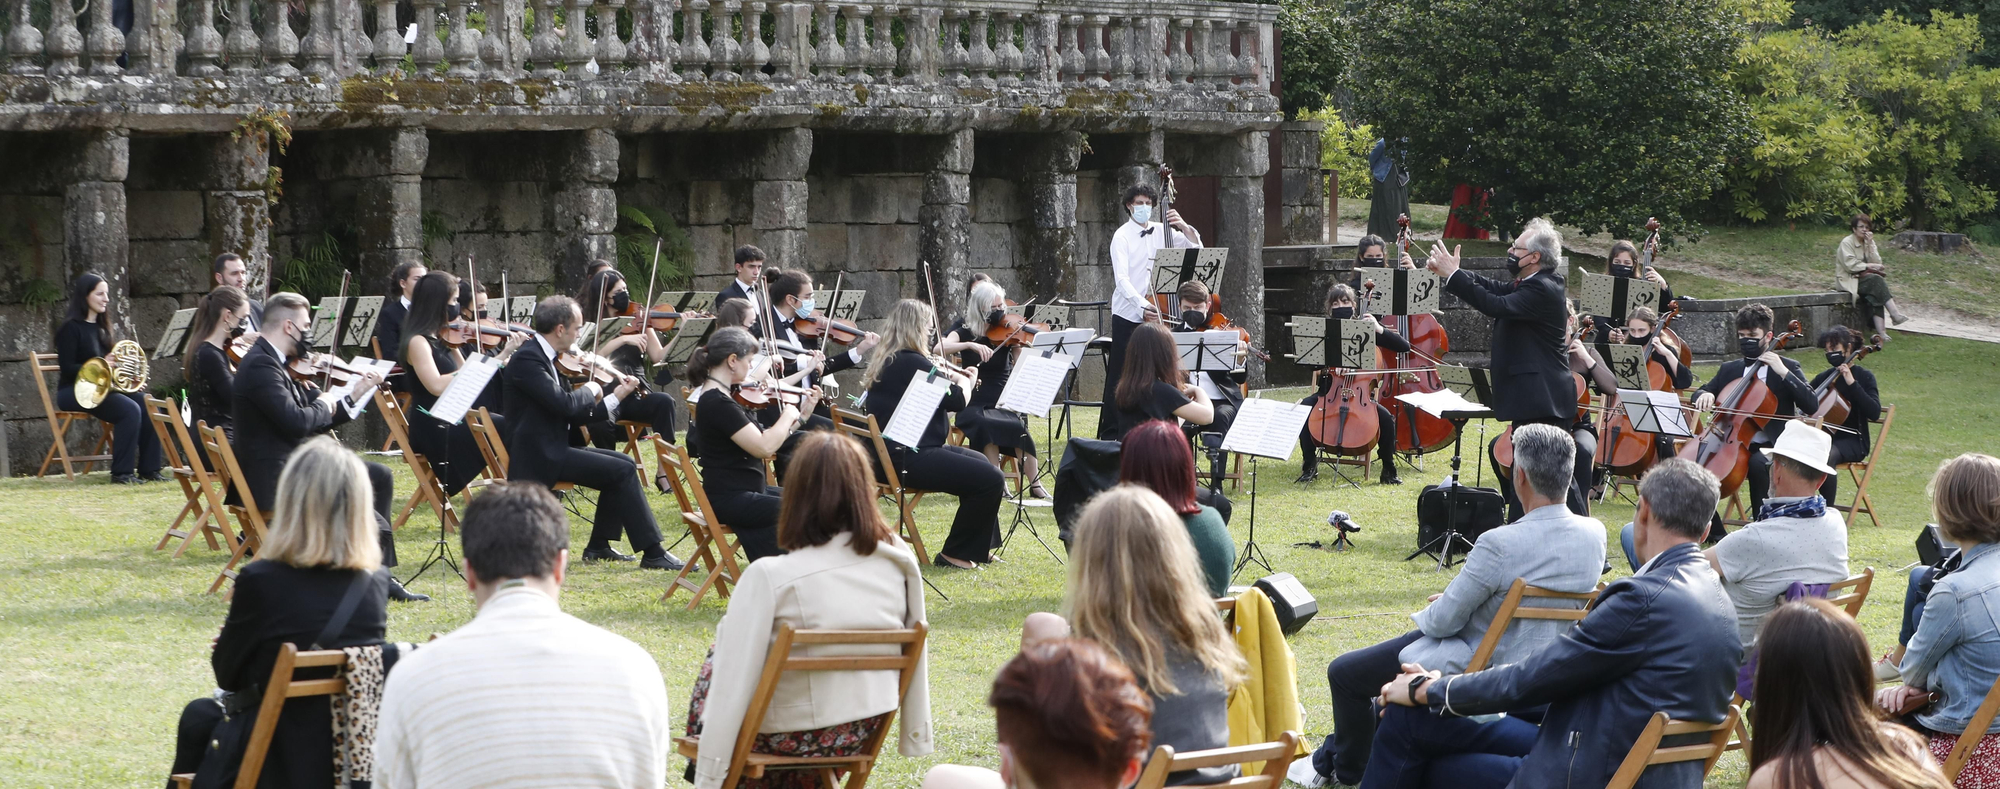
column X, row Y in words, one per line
column 1794, row 394
column 1639, row 330
column 1856, row 384
column 1340, row 305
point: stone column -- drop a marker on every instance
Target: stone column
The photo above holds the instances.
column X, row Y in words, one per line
column 389, row 227
column 1241, row 161
column 945, row 219
column 1139, row 165
column 778, row 195
column 1049, row 188
column 236, row 209
column 585, row 210
column 94, row 236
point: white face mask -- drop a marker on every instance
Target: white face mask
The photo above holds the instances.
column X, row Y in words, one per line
column 1142, row 213
column 806, row 308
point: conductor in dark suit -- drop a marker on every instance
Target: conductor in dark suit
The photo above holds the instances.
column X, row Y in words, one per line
column 273, row 414
column 749, row 271
column 1529, row 363
column 540, row 412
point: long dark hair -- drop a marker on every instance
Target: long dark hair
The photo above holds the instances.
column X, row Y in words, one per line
column 206, row 314
column 834, row 492
column 596, row 294
column 79, row 305
column 1149, row 357
column 430, row 307
column 1815, row 689
column 724, row 343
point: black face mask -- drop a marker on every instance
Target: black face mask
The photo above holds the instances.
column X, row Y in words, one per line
column 1634, row 339
column 1340, row 313
column 1513, row 265
column 1835, row 358
column 620, row 300
column 1194, row 318
column 236, row 332
column 452, row 311
column 1751, row 347
column 299, row 346
column 482, row 315
column 995, row 317
column 1621, row 271
column 1375, row 262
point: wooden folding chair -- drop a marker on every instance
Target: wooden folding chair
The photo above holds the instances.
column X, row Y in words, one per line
column 714, row 546
column 888, row 483
column 486, row 435
column 430, row 489
column 1861, row 472
column 283, row 686
column 1010, row 468
column 250, row 519
column 186, row 467
column 1264, row 764
column 745, row 764
column 1851, row 593
column 1511, row 609
column 1646, row 751
column 632, row 438
column 59, row 423
column 1975, row 730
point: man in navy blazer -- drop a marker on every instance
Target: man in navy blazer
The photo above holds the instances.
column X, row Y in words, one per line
column 1662, row 640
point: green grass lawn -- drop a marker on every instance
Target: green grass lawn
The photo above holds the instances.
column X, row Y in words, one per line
column 104, row 639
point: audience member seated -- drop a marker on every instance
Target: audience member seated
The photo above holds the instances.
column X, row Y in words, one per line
column 1954, row 646
column 1156, row 456
column 1795, row 539
column 1549, row 547
column 1068, row 715
column 524, row 694
column 844, row 569
column 320, row 551
column 1134, row 589
column 1815, row 727
column 1663, row 640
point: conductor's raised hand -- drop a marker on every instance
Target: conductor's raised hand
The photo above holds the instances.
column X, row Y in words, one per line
column 1444, row 263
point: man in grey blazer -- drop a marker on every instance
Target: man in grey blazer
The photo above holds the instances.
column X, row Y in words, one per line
column 1549, row 547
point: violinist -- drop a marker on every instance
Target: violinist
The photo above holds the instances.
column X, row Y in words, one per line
column 931, row 464
column 87, row 334
column 541, row 409
column 230, row 270
column 737, row 313
column 1132, row 248
column 987, row 428
column 1597, row 376
column 791, row 293
column 432, row 362
column 1154, row 386
column 1225, row 390
column 1856, row 384
column 389, row 324
column 733, row 446
column 218, row 321
column 1340, row 305
column 606, row 294
column 1782, row 375
column 1639, row 330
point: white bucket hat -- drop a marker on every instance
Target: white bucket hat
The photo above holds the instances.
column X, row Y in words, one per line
column 1804, row 443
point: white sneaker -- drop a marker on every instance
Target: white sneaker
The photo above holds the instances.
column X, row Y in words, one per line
column 1302, row 773
column 1887, row 671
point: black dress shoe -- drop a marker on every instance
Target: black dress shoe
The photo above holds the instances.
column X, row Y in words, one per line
column 124, row 479
column 153, row 477
column 607, row 554
column 665, row 561
column 941, row 561
column 401, row 595
column 1390, row 479
column 1307, row 475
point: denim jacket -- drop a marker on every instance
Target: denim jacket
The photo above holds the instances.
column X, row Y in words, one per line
column 1549, row 547
column 1956, row 650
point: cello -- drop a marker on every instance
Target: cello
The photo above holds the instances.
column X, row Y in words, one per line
column 1622, row 448
column 1747, row 404
column 1503, row 447
column 1833, row 408
column 1417, row 431
column 1345, row 421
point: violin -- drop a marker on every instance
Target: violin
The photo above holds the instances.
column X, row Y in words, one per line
column 236, row 347
column 582, row 367
column 1747, row 404
column 1833, row 408
column 490, row 333
column 818, row 325
column 1014, row 330
column 320, row 367
column 1621, row 447
column 757, row 395
column 1416, row 430
column 656, row 319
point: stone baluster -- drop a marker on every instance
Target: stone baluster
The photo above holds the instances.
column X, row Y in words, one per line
column 577, row 48
column 920, row 55
column 854, row 18
column 545, row 47
column 1006, row 53
column 1120, row 44
column 389, row 45
column 828, row 57
column 1095, row 61
column 979, row 60
column 723, row 52
column 1180, row 65
column 882, row 60
column 241, row 46
column 1152, row 44
column 1045, row 56
column 791, row 42
column 1072, row 56
column 652, row 32
column 755, row 52
column 459, row 49
column 694, row 51
column 23, row 41
column 955, row 54
column 1249, row 48
column 317, row 47
column 105, row 42
column 139, row 42
column 611, row 50
column 1225, row 60
column 281, row 45
column 64, row 42
column 204, row 42
column 1208, row 57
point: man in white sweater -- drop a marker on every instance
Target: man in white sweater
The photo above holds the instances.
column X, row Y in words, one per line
column 525, row 695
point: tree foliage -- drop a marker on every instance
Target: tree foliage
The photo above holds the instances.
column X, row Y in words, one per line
column 1315, row 46
column 1837, row 15
column 1343, row 148
column 1937, row 111
column 1595, row 113
column 1813, row 139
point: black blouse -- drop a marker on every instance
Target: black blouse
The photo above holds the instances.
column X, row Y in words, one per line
column 211, row 389
column 992, row 373
column 725, row 464
column 77, row 341
column 1161, row 401
column 887, row 392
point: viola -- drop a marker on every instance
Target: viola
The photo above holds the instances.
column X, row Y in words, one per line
column 1345, row 421
column 582, row 367
column 1621, row 447
column 1833, row 408
column 1747, row 404
column 1416, row 430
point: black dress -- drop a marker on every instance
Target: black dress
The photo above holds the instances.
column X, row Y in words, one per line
column 733, row 478
column 981, row 419
column 211, row 388
column 933, row 466
column 135, row 445
column 451, row 450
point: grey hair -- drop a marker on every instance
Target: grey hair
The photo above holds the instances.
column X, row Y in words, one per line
column 1682, row 496
column 1540, row 236
column 1547, row 457
column 978, row 304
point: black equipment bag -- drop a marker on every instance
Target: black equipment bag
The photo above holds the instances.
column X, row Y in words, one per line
column 1479, row 510
column 1089, row 466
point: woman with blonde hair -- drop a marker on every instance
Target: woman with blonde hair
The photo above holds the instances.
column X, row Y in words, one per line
column 901, row 359
column 1136, row 589
column 317, row 583
column 987, row 428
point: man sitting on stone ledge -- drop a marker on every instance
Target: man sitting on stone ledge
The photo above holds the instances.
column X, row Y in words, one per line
column 1858, row 269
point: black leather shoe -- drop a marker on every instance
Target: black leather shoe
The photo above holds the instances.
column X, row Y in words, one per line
column 665, row 561
column 607, row 554
column 153, row 477
column 1307, row 476
column 124, row 479
column 1390, row 479
column 401, row 595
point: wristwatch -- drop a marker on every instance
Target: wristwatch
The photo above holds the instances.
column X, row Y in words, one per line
column 1417, row 682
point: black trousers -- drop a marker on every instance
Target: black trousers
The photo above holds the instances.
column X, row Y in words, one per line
column 1579, row 482
column 1846, row 449
column 382, row 484
column 1114, row 368
column 654, row 409
column 450, row 449
column 977, row 483
column 1385, row 447
column 198, row 721
column 1758, row 479
column 1353, row 679
column 753, row 515
column 621, row 502
column 135, row 445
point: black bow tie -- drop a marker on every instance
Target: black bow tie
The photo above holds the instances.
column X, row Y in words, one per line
column 1147, row 232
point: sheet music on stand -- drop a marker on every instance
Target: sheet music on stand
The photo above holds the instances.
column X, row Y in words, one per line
column 1353, row 345
column 1475, row 384
column 913, row 413
column 1266, row 428
column 175, row 338
column 1654, row 411
column 690, row 334
column 1616, row 297
column 1308, row 340
column 1626, row 363
column 1175, row 265
column 686, row 300
column 609, row 327
column 326, row 322
column 466, row 385
column 1440, row 402
column 521, row 310
column 361, row 324
column 1068, row 344
column 1212, row 351
column 357, row 401
column 1033, row 384
column 1400, row 291
column 1057, row 316
column 844, row 305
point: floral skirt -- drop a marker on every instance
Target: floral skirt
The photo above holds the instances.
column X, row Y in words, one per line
column 1982, row 771
column 841, row 739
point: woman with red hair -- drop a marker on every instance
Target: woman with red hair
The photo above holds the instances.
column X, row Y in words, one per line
column 1156, row 456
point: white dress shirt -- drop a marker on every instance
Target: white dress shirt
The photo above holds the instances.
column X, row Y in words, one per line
column 1132, row 249
column 524, row 696
column 610, row 399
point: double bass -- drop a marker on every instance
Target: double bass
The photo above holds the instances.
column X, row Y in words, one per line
column 1417, row 431
column 1621, row 447
column 1747, row 404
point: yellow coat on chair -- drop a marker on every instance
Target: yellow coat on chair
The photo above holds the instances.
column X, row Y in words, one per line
column 1267, row 703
